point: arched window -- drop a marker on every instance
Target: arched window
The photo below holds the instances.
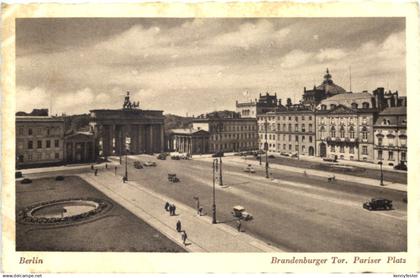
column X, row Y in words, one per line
column 332, row 131
column 354, row 105
column 342, row 132
column 364, row 133
column 322, row 131
column 351, row 131
column 365, row 104
column 323, row 107
column 332, row 106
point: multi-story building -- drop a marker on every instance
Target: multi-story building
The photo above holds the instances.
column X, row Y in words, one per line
column 266, row 103
column 344, row 126
column 390, row 138
column 228, row 132
column 39, row 141
column 189, row 140
column 290, row 130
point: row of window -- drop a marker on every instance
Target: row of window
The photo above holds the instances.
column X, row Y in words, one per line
column 342, row 120
column 272, row 127
column 38, row 131
column 228, row 146
column 286, row 147
column 273, row 118
column 39, row 156
column 234, row 136
column 342, row 132
column 353, row 105
column 288, row 136
column 351, row 149
column 39, row 144
column 225, row 127
column 391, row 155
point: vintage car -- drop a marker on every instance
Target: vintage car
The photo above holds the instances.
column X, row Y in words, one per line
column 173, row 178
column 249, row 169
column 18, row 175
column 378, row 204
column 149, row 163
column 137, row 165
column 162, row 156
column 402, row 166
column 240, row 213
column 26, row 181
column 331, row 158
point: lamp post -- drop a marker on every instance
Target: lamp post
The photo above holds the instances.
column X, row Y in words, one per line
column 220, row 129
column 126, row 166
column 382, row 174
column 215, row 166
column 266, row 149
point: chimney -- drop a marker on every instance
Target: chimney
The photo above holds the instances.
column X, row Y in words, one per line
column 289, row 102
column 279, row 101
column 304, row 89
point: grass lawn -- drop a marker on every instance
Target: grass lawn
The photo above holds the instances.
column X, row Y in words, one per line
column 115, row 230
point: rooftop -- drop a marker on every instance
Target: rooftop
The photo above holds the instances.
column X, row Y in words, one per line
column 39, row 119
column 401, row 110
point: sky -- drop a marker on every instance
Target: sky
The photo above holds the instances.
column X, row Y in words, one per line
column 197, row 65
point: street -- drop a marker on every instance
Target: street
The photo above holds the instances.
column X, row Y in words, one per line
column 292, row 212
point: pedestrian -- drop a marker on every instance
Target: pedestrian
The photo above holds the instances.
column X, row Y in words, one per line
column 184, row 237
column 124, row 179
column 178, row 226
column 96, row 172
column 167, row 206
column 115, row 170
column 200, row 211
column 173, row 209
column 239, row 225
column 91, row 167
column 106, row 165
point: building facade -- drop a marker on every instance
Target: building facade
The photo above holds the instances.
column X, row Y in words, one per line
column 39, row 141
column 289, row 131
column 79, row 148
column 129, row 129
column 229, row 134
column 191, row 141
column 266, row 103
column 390, row 138
column 345, row 126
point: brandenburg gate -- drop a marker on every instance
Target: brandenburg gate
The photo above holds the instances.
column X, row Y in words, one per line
column 128, row 129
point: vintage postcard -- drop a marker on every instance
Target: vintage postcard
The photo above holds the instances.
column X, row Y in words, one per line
column 210, row 137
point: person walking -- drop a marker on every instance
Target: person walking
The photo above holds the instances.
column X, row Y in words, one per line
column 115, row 170
column 184, row 238
column 91, row 167
column 167, row 206
column 173, row 209
column 106, row 165
column 96, row 172
column 239, row 225
column 178, row 226
column 124, row 179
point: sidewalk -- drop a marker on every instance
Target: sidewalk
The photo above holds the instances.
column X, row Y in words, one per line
column 203, row 236
column 67, row 168
column 367, row 181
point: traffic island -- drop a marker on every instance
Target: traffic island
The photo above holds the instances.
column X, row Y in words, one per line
column 71, row 215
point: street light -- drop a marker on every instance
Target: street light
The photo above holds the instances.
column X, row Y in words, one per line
column 126, row 165
column 266, row 149
column 219, row 129
column 215, row 166
column 382, row 174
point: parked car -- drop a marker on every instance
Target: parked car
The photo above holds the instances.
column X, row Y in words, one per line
column 218, row 154
column 378, row 204
column 241, row 213
column 162, row 156
column 402, row 166
column 271, row 156
column 26, row 181
column 294, row 154
column 18, row 175
column 249, row 169
column 59, row 178
column 149, row 163
column 175, row 157
column 331, row 158
column 173, row 178
column 284, row 154
column 137, row 165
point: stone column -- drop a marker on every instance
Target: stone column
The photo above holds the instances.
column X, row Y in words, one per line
column 151, row 137
column 112, row 139
column 118, row 139
column 162, row 139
